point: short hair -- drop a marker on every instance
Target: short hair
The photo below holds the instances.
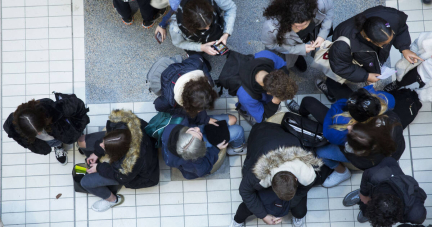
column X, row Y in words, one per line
column 189, row 147
column 280, row 85
column 197, row 14
column 117, row 143
column 198, row 95
column 285, row 185
column 384, row 210
column 29, row 119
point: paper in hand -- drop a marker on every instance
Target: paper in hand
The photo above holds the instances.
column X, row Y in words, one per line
column 386, row 72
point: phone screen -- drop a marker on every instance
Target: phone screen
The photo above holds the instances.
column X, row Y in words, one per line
column 221, row 48
column 158, row 37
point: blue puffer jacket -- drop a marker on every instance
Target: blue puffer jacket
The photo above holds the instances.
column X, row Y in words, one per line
column 339, row 137
column 166, row 102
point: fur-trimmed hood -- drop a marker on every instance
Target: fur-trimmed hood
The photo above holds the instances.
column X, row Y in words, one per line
column 299, row 162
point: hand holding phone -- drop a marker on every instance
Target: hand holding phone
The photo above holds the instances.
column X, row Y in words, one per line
column 221, row 48
column 158, row 37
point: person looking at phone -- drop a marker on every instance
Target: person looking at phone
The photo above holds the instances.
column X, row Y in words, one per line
column 291, row 25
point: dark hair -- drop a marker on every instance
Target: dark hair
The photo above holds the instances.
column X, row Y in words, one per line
column 376, row 28
column 117, row 143
column 289, row 12
column 284, row 184
column 198, row 95
column 384, row 210
column 30, row 119
column 373, row 136
column 280, row 85
column 197, row 14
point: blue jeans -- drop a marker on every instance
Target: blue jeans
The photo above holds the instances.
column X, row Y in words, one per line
column 97, row 185
column 54, row 143
column 237, row 138
column 331, row 155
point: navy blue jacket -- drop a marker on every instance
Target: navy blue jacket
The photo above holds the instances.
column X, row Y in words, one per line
column 273, row 205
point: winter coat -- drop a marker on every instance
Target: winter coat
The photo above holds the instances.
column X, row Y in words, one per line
column 362, row 162
column 292, row 43
column 341, row 55
column 339, row 137
column 69, row 119
column 178, row 38
column 139, row 168
column 423, row 48
column 167, row 101
column 374, row 177
column 257, row 104
column 271, row 150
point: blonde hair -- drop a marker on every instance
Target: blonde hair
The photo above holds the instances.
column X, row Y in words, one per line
column 383, row 101
column 190, row 147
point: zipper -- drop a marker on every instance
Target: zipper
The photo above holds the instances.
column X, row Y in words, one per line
column 376, row 57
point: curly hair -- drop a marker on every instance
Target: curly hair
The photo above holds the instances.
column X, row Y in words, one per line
column 117, row 144
column 384, row 210
column 29, row 119
column 197, row 14
column 289, row 12
column 198, row 95
column 280, row 85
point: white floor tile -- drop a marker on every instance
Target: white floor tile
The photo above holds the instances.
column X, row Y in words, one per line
column 409, row 5
column 62, row 10
column 124, row 212
column 13, row 12
column 12, row 3
column 218, row 184
column 219, row 208
column 220, row 220
column 218, row 196
column 318, row 216
column 147, row 199
column 172, row 221
column 195, row 209
column 37, row 217
column 196, row 221
column 14, row 218
column 37, row 205
column 148, row 222
column 124, row 222
column 195, row 197
column 171, row 210
column 148, row 211
column 36, row 44
column 105, row 223
column 171, row 198
column 17, row 45
column 13, row 206
column 36, row 22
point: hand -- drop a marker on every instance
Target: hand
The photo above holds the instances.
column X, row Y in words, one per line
column 277, row 220
column 372, row 78
column 222, row 145
column 309, row 48
column 162, row 31
column 92, row 168
column 92, row 159
column 276, row 100
column 411, row 56
column 364, row 199
column 208, row 48
column 317, row 43
column 223, row 39
column 213, row 121
column 269, row 219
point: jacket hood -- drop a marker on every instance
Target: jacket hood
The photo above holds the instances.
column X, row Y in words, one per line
column 181, row 82
column 247, row 75
column 299, row 162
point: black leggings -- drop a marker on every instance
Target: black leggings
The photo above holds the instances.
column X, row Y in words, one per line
column 311, row 105
column 411, row 77
column 147, row 11
column 337, row 90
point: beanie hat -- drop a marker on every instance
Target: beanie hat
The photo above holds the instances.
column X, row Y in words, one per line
column 217, row 134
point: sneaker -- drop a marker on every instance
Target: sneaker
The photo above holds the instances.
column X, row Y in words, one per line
column 61, row 155
column 320, row 84
column 128, row 21
column 235, row 224
column 361, row 218
column 352, row 198
column 292, row 106
column 336, row 178
column 103, row 205
column 298, row 222
column 301, row 64
column 148, row 24
column 391, row 87
column 251, row 120
column 79, row 148
column 237, row 151
column 426, row 1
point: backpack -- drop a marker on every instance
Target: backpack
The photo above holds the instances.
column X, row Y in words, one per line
column 157, row 124
column 230, row 74
column 155, row 72
column 407, row 105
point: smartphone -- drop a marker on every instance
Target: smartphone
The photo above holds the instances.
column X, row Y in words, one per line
column 158, row 37
column 221, row 48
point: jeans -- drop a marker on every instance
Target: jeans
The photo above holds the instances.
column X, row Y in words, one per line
column 331, row 155
column 311, row 105
column 97, row 185
column 339, row 91
column 237, row 138
column 54, row 143
column 147, row 11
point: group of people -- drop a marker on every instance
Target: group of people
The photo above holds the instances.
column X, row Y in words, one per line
column 364, row 128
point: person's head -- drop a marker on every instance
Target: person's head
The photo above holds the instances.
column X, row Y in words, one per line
column 198, row 95
column 372, row 136
column 374, row 29
column 280, row 85
column 190, row 144
column 284, row 184
column 30, row 120
column 117, row 143
column 197, row 15
column 362, row 105
column 384, row 210
column 289, row 13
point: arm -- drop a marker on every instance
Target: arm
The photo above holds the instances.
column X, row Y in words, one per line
column 205, row 166
column 254, row 107
column 278, row 61
column 402, row 40
column 268, row 38
column 202, row 118
column 250, row 197
column 164, row 23
column 341, row 63
column 332, row 135
column 179, row 41
column 327, row 23
column 230, row 11
column 162, row 105
column 364, row 184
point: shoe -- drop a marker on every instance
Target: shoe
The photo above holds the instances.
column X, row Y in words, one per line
column 361, row 218
column 103, row 205
column 300, row 64
column 298, row 222
column 79, row 148
column 251, row 120
column 161, row 13
column 235, row 224
column 352, row 198
column 391, row 87
column 336, row 178
column 61, row 155
column 148, row 24
column 320, row 84
column 292, row 106
column 427, row 1
column 128, row 21
column 237, row 151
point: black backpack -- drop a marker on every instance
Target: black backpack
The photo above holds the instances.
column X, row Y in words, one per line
column 407, row 105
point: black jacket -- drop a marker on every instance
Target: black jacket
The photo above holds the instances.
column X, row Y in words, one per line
column 379, row 175
column 140, row 166
column 69, row 119
column 340, row 53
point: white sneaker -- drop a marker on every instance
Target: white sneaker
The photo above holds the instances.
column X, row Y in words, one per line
column 237, row 151
column 103, row 205
column 235, row 224
column 61, row 154
column 298, row 222
column 336, row 178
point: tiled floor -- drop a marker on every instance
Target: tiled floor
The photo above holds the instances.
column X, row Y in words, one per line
column 43, row 51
